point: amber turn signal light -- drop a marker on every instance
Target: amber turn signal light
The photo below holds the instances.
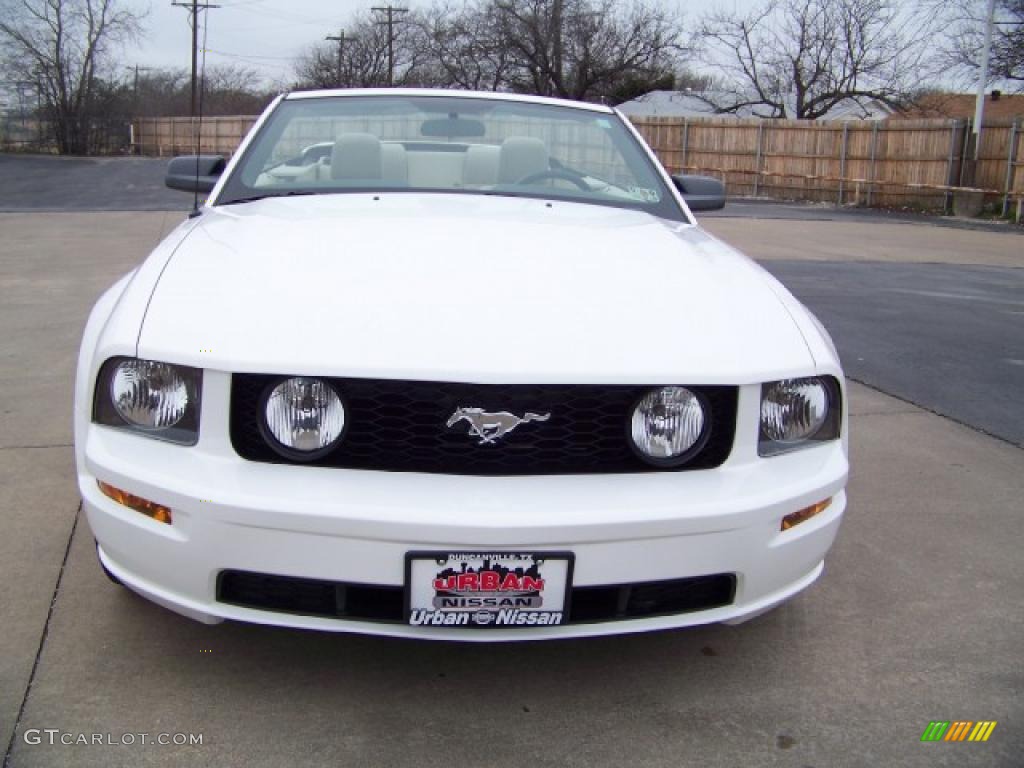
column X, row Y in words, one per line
column 158, row 512
column 805, row 514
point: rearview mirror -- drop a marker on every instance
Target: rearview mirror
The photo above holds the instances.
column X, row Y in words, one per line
column 701, row 193
column 452, row 127
column 191, row 173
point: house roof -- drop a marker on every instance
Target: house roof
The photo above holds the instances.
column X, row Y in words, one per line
column 671, row 104
column 961, row 106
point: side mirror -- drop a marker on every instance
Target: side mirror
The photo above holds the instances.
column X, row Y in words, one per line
column 182, row 172
column 701, row 193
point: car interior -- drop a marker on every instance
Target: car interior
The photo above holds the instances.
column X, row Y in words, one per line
column 357, row 159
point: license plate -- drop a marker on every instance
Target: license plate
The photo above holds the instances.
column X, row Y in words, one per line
column 487, row 589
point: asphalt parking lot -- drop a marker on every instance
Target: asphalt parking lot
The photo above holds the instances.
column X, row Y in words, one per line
column 918, row 616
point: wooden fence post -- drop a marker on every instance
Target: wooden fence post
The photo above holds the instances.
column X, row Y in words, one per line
column 842, row 160
column 964, row 152
column 686, row 141
column 950, row 177
column 871, row 169
column 1011, row 158
column 757, row 159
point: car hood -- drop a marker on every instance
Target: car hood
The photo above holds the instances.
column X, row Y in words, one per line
column 466, row 288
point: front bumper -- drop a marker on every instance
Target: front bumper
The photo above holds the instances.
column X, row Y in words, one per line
column 356, row 526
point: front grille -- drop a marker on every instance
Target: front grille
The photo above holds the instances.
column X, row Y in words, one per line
column 401, row 426
column 652, row 598
column 310, row 597
column 362, row 602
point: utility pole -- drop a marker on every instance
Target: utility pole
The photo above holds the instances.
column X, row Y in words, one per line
column 556, row 64
column 390, row 11
column 979, row 105
column 193, row 8
column 340, row 39
column 135, row 81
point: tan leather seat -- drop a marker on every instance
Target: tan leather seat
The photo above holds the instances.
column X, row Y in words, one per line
column 521, row 156
column 362, row 156
column 356, row 156
column 481, row 165
column 394, row 164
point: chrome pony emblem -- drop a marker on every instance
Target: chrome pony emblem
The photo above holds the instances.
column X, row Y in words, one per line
column 490, row 427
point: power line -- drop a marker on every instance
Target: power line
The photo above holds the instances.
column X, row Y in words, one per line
column 254, row 57
column 193, row 8
column 390, row 11
column 340, row 38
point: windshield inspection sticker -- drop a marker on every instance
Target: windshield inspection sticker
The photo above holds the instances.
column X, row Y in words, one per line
column 645, row 193
column 487, row 589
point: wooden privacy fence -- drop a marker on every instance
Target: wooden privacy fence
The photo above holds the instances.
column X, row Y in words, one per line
column 897, row 162
column 170, row 136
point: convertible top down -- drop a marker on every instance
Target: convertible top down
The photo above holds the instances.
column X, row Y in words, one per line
column 456, row 365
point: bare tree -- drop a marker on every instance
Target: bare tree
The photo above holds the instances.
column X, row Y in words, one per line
column 964, row 24
column 577, row 49
column 467, row 47
column 161, row 92
column 62, row 46
column 363, row 62
column 234, row 89
column 227, row 89
column 587, row 49
column 801, row 58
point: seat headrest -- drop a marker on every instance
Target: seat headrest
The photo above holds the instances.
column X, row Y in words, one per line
column 521, row 156
column 356, row 156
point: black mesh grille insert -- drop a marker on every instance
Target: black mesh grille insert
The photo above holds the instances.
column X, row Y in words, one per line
column 361, row 602
column 310, row 597
column 401, row 426
column 653, row 598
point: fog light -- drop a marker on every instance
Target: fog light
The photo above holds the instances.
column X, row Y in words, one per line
column 304, row 416
column 668, row 425
column 158, row 512
column 805, row 514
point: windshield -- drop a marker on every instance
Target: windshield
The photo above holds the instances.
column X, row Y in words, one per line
column 448, row 144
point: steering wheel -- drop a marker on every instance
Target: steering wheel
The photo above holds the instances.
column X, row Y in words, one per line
column 553, row 173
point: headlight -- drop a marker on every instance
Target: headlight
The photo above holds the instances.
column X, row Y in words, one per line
column 154, row 398
column 304, row 417
column 668, row 426
column 798, row 412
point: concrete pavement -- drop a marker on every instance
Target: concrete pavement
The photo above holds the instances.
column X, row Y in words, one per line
column 917, row 617
column 848, row 239
column 51, row 270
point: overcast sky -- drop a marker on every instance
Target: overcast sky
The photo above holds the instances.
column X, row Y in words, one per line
column 267, row 35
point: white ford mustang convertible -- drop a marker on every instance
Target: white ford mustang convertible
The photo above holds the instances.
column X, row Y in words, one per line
column 456, row 366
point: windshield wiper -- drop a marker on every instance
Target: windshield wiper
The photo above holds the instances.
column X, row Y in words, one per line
column 254, row 198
